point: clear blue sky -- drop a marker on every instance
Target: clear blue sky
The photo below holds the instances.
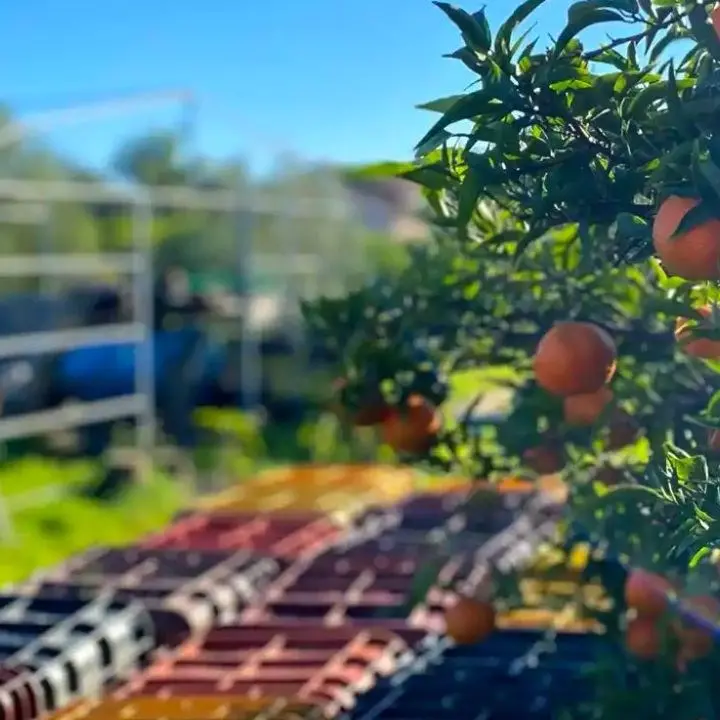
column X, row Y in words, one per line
column 330, row 79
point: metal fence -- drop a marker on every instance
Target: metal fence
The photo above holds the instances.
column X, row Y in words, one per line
column 294, row 273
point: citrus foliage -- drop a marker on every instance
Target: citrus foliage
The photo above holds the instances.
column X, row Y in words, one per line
column 549, row 182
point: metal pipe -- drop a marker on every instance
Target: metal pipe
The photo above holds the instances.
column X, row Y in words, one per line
column 250, row 351
column 68, row 416
column 69, row 264
column 143, row 314
column 162, row 196
column 37, row 343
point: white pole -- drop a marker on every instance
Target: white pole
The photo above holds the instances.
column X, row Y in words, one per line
column 250, row 355
column 143, row 311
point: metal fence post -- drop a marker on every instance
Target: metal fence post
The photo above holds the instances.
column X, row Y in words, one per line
column 143, row 313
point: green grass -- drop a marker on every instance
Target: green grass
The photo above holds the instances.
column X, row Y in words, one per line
column 45, row 534
column 30, row 475
column 467, row 384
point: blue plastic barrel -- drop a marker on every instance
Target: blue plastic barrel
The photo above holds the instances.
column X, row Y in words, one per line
column 104, row 371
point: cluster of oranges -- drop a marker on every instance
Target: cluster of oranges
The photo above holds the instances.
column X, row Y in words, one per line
column 647, row 597
column 576, row 361
column 470, row 620
column 409, row 430
column 693, row 255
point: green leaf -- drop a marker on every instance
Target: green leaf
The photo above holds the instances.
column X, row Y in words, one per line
column 474, row 28
column 424, row 579
column 673, row 35
column 434, row 177
column 470, row 191
column 703, row 30
column 584, row 15
column 692, row 468
column 578, row 9
column 610, row 56
column 645, row 98
column 713, row 408
column 631, row 227
column 620, row 493
column 530, row 237
column 381, row 169
column 441, row 105
column 698, row 215
column 713, row 146
column 673, row 308
column 438, row 140
column 467, row 57
column 679, row 156
column 506, row 237
column 521, row 13
column 673, row 99
column 701, row 553
column 706, row 176
column 467, row 107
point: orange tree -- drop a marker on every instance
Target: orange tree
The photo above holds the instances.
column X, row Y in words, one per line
column 575, row 193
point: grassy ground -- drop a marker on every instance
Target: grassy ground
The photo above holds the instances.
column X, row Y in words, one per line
column 48, row 523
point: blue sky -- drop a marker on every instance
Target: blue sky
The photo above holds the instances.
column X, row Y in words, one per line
column 326, row 79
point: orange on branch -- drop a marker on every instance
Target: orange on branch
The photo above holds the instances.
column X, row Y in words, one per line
column 698, row 347
column 696, row 641
column 574, row 358
column 469, row 621
column 647, row 593
column 543, row 459
column 623, row 430
column 371, row 411
column 643, row 638
column 715, row 20
column 371, row 415
column 693, row 255
column 412, row 429
column 585, row 409
column 609, row 475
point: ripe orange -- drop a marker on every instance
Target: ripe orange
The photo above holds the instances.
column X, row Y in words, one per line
column 585, row 409
column 715, row 20
column 469, row 621
column 694, row 255
column 413, row 430
column 647, row 592
column 371, row 412
column 695, row 641
column 574, row 358
column 543, row 459
column 608, row 475
column 622, row 430
column 699, row 347
column 371, row 415
column 642, row 638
